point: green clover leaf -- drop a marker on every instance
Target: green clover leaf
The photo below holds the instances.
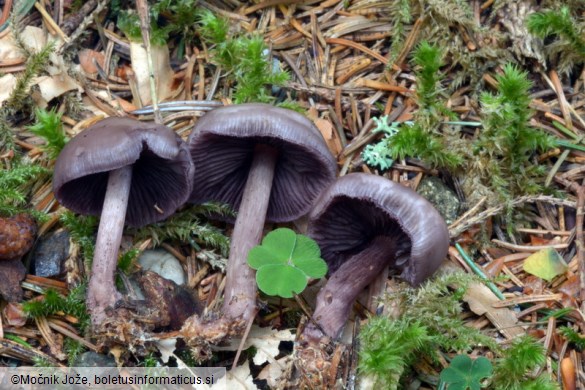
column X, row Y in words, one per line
column 464, row 373
column 285, row 261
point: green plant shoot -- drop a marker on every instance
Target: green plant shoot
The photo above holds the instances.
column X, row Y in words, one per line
column 285, row 261
column 50, row 128
column 464, row 373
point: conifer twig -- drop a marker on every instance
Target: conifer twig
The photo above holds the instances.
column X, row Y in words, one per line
column 142, row 8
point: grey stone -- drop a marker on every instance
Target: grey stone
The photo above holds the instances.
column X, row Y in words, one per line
column 441, row 196
column 164, row 264
column 92, row 359
column 51, row 253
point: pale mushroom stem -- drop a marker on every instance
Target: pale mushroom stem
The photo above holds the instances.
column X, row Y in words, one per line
column 240, row 285
column 335, row 300
column 102, row 292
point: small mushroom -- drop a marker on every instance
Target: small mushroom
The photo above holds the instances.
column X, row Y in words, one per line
column 270, row 164
column 129, row 172
column 364, row 223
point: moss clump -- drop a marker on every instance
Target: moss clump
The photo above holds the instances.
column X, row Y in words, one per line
column 503, row 154
column 244, row 59
column 421, row 139
column 566, row 46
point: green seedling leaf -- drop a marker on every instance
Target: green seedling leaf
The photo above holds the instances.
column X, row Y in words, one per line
column 464, row 373
column 285, row 261
column 546, row 264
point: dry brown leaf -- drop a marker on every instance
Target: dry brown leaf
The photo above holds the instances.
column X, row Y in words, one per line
column 14, row 315
column 161, row 68
column 568, row 374
column 330, row 135
column 480, row 299
column 87, row 58
column 54, row 86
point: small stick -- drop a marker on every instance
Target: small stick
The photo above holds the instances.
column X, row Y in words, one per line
column 142, row 8
column 579, row 242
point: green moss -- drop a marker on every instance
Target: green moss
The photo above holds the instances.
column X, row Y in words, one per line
column 189, row 225
column 421, row 139
column 504, row 150
column 244, row 59
column 15, row 184
column 512, row 371
column 48, row 126
column 53, row 302
column 567, row 44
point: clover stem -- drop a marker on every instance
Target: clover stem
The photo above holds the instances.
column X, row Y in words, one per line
column 102, row 292
column 240, row 287
column 335, row 300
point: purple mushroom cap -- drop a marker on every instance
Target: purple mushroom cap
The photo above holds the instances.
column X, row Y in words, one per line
column 222, row 148
column 359, row 207
column 162, row 170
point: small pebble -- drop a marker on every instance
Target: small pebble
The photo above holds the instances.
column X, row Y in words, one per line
column 163, row 263
column 51, row 253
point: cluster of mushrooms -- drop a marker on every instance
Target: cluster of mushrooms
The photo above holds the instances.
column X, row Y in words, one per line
column 270, row 164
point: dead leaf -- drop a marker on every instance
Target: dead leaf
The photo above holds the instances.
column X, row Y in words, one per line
column 161, row 68
column 7, row 84
column 88, row 58
column 54, row 86
column 273, row 372
column 265, row 340
column 480, row 299
column 14, row 315
column 546, row 264
column 240, row 378
column 328, row 131
column 117, row 351
column 568, row 374
column 166, row 348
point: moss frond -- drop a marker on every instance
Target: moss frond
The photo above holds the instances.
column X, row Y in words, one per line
column 523, row 356
column 559, row 23
column 188, row 225
column 35, row 64
column 389, row 347
column 50, row 128
column 244, row 58
column 53, row 302
column 507, row 143
column 15, row 184
column 82, row 229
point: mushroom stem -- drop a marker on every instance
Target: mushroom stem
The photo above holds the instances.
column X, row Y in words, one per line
column 335, row 300
column 102, row 291
column 240, row 287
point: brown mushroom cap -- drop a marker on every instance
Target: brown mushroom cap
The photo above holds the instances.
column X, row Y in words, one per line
column 222, row 147
column 359, row 207
column 161, row 174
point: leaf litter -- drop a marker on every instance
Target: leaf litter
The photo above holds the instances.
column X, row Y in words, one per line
column 347, row 71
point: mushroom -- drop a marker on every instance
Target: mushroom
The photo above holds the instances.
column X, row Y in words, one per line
column 128, row 172
column 364, row 223
column 270, row 164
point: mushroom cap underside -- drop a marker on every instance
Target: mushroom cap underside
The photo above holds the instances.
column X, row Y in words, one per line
column 359, row 207
column 222, row 148
column 162, row 170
